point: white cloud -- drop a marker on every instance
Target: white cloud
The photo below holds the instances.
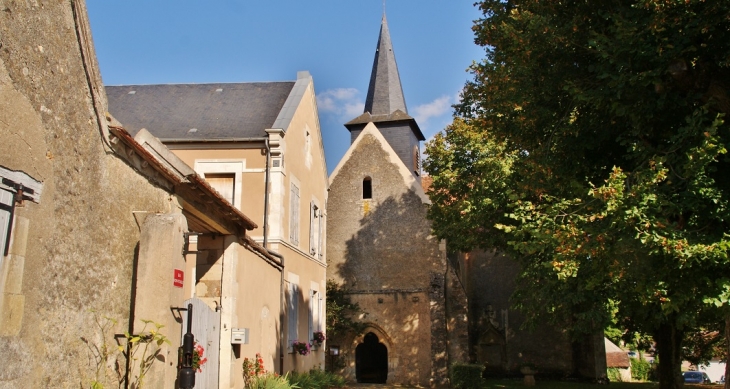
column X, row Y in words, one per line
column 436, row 108
column 344, row 103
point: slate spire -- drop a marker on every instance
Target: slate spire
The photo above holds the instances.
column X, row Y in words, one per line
column 385, row 93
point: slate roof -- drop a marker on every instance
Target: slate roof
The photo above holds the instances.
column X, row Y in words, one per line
column 385, row 92
column 189, row 112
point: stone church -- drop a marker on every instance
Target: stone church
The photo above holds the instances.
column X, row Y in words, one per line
column 380, row 246
column 424, row 308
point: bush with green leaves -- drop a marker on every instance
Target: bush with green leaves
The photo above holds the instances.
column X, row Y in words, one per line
column 316, row 379
column 465, row 376
column 271, row 381
column 614, row 374
column 640, row 369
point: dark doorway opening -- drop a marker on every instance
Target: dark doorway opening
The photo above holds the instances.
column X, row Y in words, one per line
column 371, row 360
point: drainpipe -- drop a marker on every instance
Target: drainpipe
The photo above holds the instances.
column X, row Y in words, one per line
column 282, row 298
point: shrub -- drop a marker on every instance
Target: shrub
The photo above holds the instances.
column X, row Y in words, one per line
column 465, row 376
column 640, row 369
column 614, row 374
column 270, row 381
column 316, row 379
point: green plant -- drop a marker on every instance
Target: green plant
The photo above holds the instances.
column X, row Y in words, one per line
column 614, row 375
column 340, row 311
column 252, row 369
column 318, row 337
column 271, row 381
column 640, row 369
column 143, row 349
column 115, row 364
column 316, row 379
column 108, row 369
column 301, row 348
column 464, row 376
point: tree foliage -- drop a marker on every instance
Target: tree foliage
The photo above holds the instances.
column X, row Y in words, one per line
column 591, row 145
column 341, row 312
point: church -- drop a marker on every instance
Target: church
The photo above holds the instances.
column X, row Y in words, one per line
column 424, row 308
column 381, row 250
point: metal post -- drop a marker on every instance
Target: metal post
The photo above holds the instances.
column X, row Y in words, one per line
column 186, row 374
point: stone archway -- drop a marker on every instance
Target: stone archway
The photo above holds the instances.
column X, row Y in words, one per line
column 371, row 360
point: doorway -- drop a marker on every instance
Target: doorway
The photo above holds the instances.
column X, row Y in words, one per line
column 371, row 360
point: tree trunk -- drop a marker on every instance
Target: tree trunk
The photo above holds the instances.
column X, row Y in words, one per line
column 727, row 351
column 668, row 344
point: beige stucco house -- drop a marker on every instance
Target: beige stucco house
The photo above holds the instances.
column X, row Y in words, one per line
column 98, row 224
column 259, row 145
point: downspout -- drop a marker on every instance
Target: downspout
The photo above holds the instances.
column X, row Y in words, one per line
column 282, row 298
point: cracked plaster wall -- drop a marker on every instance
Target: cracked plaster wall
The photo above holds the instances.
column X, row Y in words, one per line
column 76, row 251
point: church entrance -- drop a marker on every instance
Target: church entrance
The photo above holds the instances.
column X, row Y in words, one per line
column 371, row 360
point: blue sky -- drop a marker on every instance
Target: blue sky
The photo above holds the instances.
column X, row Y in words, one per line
column 195, row 41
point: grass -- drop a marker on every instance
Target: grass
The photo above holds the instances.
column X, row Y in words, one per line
column 517, row 384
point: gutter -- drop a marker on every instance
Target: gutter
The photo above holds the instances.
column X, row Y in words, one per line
column 213, row 140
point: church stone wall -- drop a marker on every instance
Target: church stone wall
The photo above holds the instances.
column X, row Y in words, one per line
column 382, row 250
column 74, row 251
column 496, row 337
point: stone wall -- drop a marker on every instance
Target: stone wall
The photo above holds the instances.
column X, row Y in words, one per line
column 382, row 250
column 72, row 253
column 499, row 339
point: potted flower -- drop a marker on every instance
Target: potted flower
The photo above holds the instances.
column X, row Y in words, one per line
column 318, row 338
column 198, row 358
column 301, row 348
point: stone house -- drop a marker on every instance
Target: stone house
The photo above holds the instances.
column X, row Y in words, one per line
column 259, row 145
column 99, row 224
column 381, row 250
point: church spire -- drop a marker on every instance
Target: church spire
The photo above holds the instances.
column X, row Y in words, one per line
column 385, row 93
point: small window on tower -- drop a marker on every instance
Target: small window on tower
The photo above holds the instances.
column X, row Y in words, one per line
column 367, row 188
column 416, row 160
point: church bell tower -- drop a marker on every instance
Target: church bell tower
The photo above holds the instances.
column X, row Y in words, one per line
column 385, row 106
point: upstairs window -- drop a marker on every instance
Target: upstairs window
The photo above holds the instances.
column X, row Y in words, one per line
column 416, row 160
column 315, row 229
column 224, row 183
column 367, row 188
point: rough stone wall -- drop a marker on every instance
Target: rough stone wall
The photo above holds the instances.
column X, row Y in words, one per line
column 382, row 250
column 490, row 281
column 457, row 319
column 82, row 236
column 439, row 331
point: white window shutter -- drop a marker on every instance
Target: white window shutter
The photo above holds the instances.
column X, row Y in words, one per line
column 319, row 234
column 293, row 312
column 312, row 297
column 312, row 224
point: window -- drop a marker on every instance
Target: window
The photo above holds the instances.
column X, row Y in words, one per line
column 416, row 160
column 293, row 312
column 367, row 188
column 224, row 183
column 315, row 313
column 294, row 215
column 314, row 229
column 225, row 176
column 15, row 187
column 6, row 220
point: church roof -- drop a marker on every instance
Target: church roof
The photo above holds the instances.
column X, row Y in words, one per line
column 385, row 93
column 191, row 112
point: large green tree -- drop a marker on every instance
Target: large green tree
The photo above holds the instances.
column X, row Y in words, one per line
column 591, row 145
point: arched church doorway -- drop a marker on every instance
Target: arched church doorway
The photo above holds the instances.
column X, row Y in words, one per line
column 371, row 360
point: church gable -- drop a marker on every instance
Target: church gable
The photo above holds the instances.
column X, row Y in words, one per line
column 363, row 161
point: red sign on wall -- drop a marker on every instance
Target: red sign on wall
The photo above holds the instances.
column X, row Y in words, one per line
column 178, row 278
